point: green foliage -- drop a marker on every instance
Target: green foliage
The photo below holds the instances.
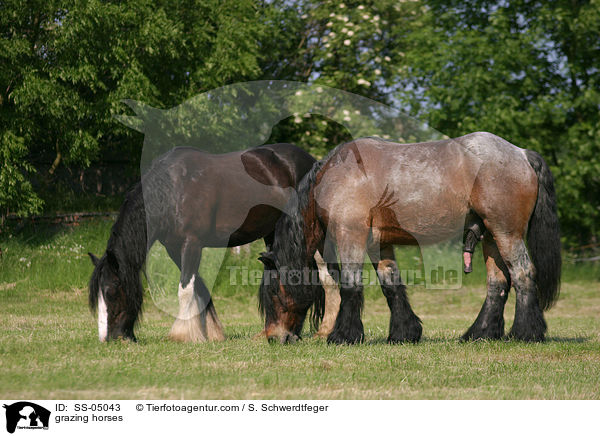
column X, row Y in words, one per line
column 341, row 44
column 526, row 71
column 16, row 192
column 66, row 65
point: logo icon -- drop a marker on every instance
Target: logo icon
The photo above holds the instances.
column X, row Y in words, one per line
column 26, row 415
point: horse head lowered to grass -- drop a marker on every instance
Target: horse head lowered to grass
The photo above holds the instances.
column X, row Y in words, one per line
column 368, row 195
column 188, row 200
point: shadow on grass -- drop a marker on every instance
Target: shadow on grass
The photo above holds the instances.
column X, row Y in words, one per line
column 32, row 234
column 457, row 340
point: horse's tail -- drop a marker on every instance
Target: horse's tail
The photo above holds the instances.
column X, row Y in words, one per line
column 543, row 236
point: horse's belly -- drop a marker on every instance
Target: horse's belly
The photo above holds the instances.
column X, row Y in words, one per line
column 408, row 223
column 392, row 235
column 258, row 224
column 435, row 227
column 241, row 219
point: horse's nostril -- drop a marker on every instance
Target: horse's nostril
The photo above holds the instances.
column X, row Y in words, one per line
column 291, row 338
column 285, row 338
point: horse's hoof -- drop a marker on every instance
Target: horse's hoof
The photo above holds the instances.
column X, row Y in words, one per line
column 412, row 336
column 339, row 338
column 476, row 334
column 409, row 330
column 529, row 328
column 527, row 336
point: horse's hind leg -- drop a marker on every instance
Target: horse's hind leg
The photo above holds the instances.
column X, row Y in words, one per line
column 490, row 321
column 529, row 324
column 197, row 319
column 209, row 319
column 405, row 326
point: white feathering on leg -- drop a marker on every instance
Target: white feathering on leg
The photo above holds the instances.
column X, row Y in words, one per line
column 188, row 327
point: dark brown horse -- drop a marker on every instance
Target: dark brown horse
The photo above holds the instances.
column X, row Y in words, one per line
column 369, row 195
column 188, row 200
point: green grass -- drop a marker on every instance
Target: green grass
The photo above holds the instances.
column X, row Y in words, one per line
column 49, row 347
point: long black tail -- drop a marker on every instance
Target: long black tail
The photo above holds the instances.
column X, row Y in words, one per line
column 543, row 236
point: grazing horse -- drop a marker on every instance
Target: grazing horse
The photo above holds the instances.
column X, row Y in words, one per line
column 368, row 195
column 188, row 200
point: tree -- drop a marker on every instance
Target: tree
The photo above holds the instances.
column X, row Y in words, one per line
column 347, row 45
column 23, row 30
column 67, row 65
column 527, row 71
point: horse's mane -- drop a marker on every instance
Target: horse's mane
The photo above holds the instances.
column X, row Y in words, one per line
column 129, row 243
column 290, row 248
column 125, row 251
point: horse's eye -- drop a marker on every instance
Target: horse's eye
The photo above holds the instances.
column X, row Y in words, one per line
column 111, row 291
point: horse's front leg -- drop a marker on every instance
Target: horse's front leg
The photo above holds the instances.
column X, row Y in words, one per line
column 348, row 328
column 197, row 320
column 405, row 326
column 329, row 275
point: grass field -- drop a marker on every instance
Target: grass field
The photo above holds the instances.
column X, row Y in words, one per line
column 49, row 347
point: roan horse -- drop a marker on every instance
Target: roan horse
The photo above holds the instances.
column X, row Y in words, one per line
column 188, row 200
column 369, row 195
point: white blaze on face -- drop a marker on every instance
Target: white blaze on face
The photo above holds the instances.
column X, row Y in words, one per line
column 102, row 318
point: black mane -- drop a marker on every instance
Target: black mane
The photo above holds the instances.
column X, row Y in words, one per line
column 128, row 245
column 289, row 249
column 129, row 240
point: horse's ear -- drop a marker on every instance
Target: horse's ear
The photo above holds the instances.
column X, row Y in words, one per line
column 268, row 258
column 95, row 260
column 112, row 260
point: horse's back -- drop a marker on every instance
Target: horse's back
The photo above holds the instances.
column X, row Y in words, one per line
column 280, row 156
column 231, row 198
column 427, row 188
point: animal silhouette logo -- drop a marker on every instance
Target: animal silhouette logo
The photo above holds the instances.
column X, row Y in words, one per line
column 238, row 117
column 26, row 415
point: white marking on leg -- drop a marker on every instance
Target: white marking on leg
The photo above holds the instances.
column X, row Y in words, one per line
column 188, row 327
column 102, row 318
column 332, row 297
column 188, row 304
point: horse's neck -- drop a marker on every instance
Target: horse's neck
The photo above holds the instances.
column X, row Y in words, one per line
column 129, row 234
